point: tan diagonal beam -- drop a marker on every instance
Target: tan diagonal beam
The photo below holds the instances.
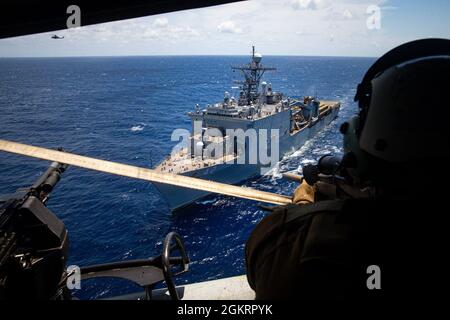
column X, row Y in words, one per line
column 142, row 173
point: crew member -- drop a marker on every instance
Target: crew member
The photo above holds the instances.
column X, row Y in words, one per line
column 381, row 232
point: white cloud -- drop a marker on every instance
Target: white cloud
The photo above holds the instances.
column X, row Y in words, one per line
column 183, row 33
column 303, row 32
column 161, row 23
column 309, row 4
column 151, row 34
column 228, row 27
column 347, row 14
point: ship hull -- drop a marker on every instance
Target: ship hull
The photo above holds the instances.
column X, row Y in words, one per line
column 232, row 173
column 178, row 197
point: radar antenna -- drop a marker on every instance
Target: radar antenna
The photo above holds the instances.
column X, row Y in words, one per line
column 253, row 73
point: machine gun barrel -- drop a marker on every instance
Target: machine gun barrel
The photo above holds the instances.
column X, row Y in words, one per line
column 51, row 177
column 45, row 184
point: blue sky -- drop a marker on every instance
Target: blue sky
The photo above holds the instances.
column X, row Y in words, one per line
column 275, row 27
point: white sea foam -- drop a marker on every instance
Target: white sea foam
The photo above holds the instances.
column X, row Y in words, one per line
column 125, row 196
column 274, row 172
column 207, row 259
column 137, row 128
column 206, row 202
column 220, row 202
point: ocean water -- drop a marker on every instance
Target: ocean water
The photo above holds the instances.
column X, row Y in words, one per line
column 124, row 109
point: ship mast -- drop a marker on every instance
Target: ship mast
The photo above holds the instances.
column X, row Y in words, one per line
column 253, row 73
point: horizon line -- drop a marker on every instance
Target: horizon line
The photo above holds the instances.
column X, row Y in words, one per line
column 182, row 55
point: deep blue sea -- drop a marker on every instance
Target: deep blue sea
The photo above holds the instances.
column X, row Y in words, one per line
column 124, row 109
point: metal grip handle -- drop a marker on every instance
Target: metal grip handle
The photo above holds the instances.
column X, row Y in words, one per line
column 166, row 261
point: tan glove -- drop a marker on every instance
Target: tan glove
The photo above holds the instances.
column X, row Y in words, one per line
column 304, row 194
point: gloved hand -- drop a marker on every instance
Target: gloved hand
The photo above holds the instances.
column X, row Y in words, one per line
column 304, row 194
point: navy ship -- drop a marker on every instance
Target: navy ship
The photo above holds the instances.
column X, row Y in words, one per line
column 238, row 138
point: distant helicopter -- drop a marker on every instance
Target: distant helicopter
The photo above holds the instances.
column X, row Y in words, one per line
column 57, row 37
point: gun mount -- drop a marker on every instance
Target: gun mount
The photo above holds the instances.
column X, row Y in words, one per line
column 33, row 242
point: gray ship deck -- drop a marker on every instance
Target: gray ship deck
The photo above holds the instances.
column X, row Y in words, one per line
column 181, row 161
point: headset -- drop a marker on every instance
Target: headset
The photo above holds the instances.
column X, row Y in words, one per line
column 354, row 156
column 403, row 53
